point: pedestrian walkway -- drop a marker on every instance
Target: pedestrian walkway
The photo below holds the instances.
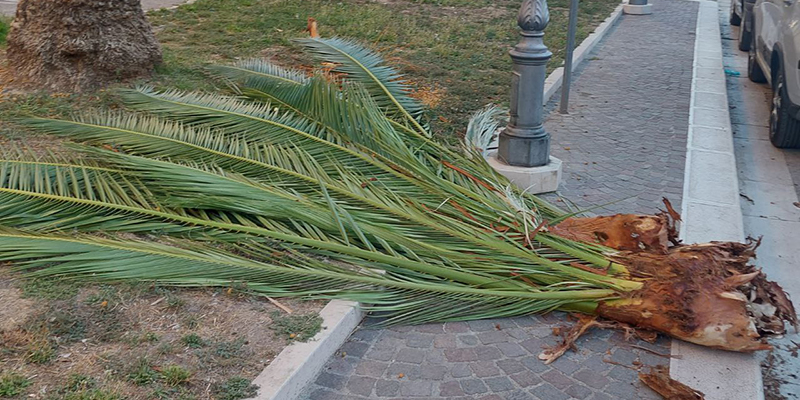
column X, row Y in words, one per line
column 625, row 137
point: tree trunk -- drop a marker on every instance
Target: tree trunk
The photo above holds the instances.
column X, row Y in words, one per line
column 79, row 45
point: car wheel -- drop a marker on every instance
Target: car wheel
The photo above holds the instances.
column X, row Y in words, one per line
column 735, row 20
column 754, row 71
column 745, row 33
column 784, row 129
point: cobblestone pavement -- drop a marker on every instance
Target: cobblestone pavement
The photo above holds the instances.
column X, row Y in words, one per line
column 625, row 135
column 624, row 138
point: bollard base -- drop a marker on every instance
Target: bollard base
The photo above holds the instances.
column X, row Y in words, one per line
column 634, row 9
column 533, row 179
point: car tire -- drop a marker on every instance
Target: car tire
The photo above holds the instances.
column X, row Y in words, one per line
column 784, row 128
column 754, row 71
column 745, row 33
column 735, row 20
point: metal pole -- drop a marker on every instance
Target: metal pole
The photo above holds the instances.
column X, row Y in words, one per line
column 524, row 142
column 573, row 25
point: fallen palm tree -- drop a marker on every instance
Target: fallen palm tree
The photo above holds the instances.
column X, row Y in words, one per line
column 330, row 186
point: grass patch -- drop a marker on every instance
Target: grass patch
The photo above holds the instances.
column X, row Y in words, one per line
column 12, row 384
column 295, row 327
column 142, row 373
column 193, row 341
column 235, row 388
column 456, row 55
column 50, row 289
column 174, row 375
column 4, row 26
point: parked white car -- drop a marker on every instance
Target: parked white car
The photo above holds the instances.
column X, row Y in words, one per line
column 774, row 52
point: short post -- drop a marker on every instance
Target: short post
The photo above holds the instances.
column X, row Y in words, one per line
column 637, row 7
column 573, row 26
column 524, row 142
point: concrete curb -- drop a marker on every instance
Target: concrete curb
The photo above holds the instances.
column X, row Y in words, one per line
column 299, row 363
column 711, row 209
column 556, row 78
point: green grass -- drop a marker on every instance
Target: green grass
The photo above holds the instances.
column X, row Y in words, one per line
column 142, row 373
column 193, row 341
column 457, row 56
column 235, row 388
column 299, row 327
column 4, row 22
column 174, row 375
column 12, row 384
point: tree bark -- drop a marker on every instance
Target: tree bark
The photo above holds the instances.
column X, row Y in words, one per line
column 80, row 45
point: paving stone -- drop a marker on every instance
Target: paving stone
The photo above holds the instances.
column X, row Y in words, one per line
column 435, row 356
column 450, row 388
column 324, row 394
column 380, row 354
column 483, row 369
column 416, row 388
column 430, row 328
column 493, row 337
column 444, row 341
column 361, row 385
column 519, row 395
column 499, row 384
column 600, row 396
column 510, row 366
column 400, row 370
column 365, row 335
column 461, row 370
column 483, row 325
column 456, row 327
column 433, row 372
column 624, row 356
column 547, row 391
column 384, row 388
column 511, row 349
column 354, row 349
column 565, row 365
column 468, row 340
column 622, row 374
column 591, row 378
column 557, row 379
column 526, row 379
column 460, row 355
column 419, row 340
column 533, row 345
column 487, row 353
column 341, row 365
column 373, row 369
column 473, row 386
column 330, row 380
column 491, row 397
column 412, row 356
column 578, row 391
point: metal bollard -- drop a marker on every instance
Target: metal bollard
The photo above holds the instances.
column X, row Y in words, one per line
column 524, row 142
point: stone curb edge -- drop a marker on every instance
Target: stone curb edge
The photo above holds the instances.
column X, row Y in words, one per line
column 553, row 82
column 299, row 363
column 711, row 208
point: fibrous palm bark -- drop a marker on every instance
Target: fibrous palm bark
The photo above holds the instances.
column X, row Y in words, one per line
column 77, row 45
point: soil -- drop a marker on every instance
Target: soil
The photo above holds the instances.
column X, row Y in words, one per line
column 116, row 335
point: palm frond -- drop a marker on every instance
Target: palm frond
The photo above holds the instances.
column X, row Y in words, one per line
column 384, row 83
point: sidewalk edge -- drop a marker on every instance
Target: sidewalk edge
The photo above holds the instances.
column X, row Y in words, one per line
column 711, row 209
column 299, row 363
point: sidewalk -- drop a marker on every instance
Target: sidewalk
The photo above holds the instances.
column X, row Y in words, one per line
column 625, row 136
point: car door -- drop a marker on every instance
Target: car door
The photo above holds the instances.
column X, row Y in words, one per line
column 767, row 23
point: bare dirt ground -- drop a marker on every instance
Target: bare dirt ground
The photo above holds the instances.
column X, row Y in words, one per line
column 134, row 342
